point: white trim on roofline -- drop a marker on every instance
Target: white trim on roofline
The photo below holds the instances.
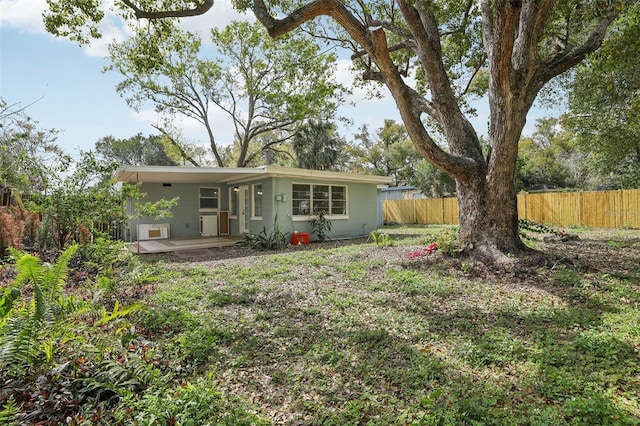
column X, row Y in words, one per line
column 231, row 175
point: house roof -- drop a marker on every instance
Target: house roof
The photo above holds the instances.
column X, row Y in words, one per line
column 399, row 188
column 176, row 174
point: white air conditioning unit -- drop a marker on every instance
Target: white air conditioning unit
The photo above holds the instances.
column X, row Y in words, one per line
column 153, row 231
column 209, row 225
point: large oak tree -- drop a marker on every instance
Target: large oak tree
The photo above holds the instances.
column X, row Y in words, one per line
column 452, row 48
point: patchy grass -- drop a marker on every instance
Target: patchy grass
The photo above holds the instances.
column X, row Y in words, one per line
column 364, row 335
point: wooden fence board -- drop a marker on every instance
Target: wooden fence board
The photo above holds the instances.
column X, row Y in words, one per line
column 601, row 209
column 398, row 211
column 451, row 211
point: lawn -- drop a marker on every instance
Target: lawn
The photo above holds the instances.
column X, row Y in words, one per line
column 353, row 333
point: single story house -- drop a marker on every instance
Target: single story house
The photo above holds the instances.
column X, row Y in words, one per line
column 233, row 201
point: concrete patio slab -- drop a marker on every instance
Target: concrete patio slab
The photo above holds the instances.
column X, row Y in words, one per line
column 178, row 244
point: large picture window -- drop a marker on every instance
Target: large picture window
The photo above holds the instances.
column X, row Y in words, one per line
column 310, row 199
column 257, row 201
column 209, row 198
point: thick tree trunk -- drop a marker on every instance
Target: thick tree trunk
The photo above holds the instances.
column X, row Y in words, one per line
column 488, row 204
column 489, row 219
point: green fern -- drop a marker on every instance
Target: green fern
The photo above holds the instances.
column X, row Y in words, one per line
column 8, row 412
column 25, row 325
column 7, row 297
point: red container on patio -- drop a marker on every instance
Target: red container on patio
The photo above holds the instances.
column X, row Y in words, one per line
column 298, row 238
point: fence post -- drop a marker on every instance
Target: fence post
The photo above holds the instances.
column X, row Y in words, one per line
column 415, row 214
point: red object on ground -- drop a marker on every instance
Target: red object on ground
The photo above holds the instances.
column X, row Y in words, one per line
column 299, row 238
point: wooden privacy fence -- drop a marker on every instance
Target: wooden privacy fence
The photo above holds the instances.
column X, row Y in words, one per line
column 600, row 209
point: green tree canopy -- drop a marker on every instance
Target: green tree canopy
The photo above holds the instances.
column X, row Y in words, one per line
column 552, row 158
column 317, row 145
column 136, row 151
column 262, row 85
column 27, row 153
column 389, row 153
column 605, row 102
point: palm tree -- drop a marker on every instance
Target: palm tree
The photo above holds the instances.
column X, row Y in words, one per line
column 317, row 145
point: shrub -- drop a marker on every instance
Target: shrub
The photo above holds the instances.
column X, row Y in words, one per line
column 320, row 226
column 381, row 239
column 24, row 327
column 447, row 242
column 527, row 227
column 274, row 240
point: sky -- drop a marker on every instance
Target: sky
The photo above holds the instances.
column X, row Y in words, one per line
column 65, row 88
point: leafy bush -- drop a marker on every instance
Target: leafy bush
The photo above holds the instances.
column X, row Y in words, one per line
column 447, row 242
column 10, row 229
column 528, row 226
column 320, row 225
column 104, row 254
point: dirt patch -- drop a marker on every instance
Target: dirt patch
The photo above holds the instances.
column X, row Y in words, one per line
column 191, row 253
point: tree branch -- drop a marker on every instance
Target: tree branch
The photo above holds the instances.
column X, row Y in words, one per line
column 176, row 144
column 200, row 9
column 333, row 8
column 566, row 59
column 532, row 21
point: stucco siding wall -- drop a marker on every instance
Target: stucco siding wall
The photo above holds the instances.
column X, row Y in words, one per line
column 362, row 208
column 186, row 215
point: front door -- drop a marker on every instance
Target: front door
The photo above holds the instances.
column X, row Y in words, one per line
column 243, row 209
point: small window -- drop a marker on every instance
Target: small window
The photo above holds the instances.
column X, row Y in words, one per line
column 301, row 199
column 209, row 198
column 321, row 199
column 338, row 200
column 233, row 202
column 257, row 201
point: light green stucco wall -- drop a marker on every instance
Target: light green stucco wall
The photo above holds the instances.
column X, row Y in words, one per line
column 361, row 207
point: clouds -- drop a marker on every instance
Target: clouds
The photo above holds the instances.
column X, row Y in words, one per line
column 25, row 15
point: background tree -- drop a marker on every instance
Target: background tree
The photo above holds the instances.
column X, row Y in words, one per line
column 389, row 153
column 136, row 151
column 431, row 181
column 454, row 48
column 551, row 158
column 605, row 103
column 168, row 73
column 317, row 145
column 261, row 84
column 82, row 194
column 27, row 153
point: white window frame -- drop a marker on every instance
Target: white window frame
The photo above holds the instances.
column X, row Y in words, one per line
column 254, row 193
column 311, row 213
column 200, row 197
column 233, row 208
